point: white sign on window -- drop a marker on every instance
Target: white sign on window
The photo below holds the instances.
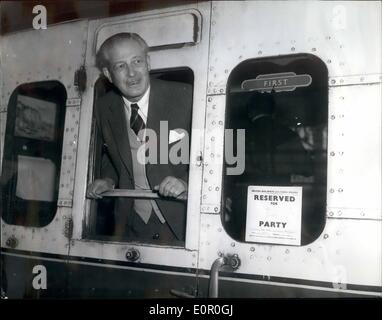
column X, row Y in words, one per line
column 274, row 215
column 35, row 178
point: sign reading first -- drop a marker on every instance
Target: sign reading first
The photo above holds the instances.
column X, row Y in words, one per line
column 285, row 81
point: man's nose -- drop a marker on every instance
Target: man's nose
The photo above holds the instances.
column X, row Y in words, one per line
column 130, row 71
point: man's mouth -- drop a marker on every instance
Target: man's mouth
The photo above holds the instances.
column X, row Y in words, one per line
column 132, row 83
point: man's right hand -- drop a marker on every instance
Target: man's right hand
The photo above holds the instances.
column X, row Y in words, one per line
column 99, row 186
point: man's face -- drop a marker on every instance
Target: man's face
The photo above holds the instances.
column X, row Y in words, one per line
column 128, row 69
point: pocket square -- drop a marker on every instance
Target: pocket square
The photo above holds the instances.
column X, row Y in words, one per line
column 174, row 136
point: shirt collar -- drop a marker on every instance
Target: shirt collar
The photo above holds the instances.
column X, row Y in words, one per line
column 143, row 103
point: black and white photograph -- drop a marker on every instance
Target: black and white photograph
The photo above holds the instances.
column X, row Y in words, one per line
column 201, row 151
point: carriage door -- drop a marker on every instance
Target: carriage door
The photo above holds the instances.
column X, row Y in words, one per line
column 178, row 57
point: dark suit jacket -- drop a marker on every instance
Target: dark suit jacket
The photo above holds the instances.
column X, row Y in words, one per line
column 169, row 101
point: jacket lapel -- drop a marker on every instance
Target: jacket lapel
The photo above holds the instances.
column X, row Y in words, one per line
column 118, row 126
column 157, row 109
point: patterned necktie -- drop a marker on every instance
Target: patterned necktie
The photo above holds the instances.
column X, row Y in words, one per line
column 136, row 121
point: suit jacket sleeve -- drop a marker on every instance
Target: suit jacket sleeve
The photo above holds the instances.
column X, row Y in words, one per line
column 107, row 168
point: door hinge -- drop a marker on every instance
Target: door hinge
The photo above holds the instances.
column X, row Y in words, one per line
column 80, row 79
column 68, row 229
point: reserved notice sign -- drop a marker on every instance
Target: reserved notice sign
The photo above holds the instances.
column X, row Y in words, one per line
column 274, row 215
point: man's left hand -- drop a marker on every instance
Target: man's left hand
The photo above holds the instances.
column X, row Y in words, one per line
column 171, row 187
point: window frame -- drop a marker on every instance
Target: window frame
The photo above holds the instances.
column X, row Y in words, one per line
column 324, row 83
column 57, row 142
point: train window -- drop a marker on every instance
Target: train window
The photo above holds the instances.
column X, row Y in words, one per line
column 32, row 154
column 105, row 222
column 282, row 103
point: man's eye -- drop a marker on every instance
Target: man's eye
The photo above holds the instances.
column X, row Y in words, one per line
column 119, row 66
column 138, row 61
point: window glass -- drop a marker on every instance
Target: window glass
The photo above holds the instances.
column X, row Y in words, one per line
column 32, row 154
column 102, row 218
column 282, row 104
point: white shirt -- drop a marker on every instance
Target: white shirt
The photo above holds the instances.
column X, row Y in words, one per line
column 143, row 104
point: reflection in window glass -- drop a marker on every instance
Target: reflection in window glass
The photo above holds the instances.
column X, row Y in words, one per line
column 282, row 104
column 32, row 154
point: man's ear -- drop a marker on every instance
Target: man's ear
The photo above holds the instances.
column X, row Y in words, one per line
column 148, row 62
column 106, row 73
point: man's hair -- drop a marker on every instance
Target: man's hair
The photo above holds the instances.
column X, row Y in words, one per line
column 101, row 59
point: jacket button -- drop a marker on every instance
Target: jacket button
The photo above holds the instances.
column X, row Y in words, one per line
column 156, row 236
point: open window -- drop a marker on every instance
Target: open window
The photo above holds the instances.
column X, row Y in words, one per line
column 102, row 223
column 282, row 104
column 32, row 154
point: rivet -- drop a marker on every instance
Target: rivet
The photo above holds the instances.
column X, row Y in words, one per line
column 232, row 244
column 240, row 57
column 333, row 81
column 287, row 251
column 210, row 99
column 309, row 250
column 292, row 49
column 269, row 258
column 326, row 236
column 210, row 188
column 213, row 122
column 216, row 209
column 205, row 180
column 226, row 70
column 331, row 213
column 314, row 49
column 217, row 189
column 212, row 138
column 220, row 122
column 260, row 52
column 331, row 190
column 211, row 171
column 332, row 154
column 219, row 229
column 220, row 254
column 338, row 233
column 252, row 249
column 329, row 61
column 362, row 214
column 332, row 117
